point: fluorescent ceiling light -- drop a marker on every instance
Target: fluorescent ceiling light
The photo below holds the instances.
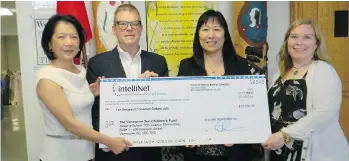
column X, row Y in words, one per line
column 5, row 12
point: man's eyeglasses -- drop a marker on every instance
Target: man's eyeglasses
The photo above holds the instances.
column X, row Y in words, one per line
column 124, row 24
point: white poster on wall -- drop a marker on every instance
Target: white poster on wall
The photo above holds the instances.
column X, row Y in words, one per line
column 39, row 25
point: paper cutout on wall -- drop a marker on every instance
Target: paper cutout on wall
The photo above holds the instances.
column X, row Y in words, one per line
column 252, row 27
column 103, row 17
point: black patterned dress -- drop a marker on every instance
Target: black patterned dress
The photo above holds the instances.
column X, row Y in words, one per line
column 287, row 102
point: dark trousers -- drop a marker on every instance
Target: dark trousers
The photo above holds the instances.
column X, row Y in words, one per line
column 133, row 154
column 190, row 155
column 210, row 158
column 238, row 152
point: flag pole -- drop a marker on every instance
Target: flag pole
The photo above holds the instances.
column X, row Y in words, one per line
column 84, row 56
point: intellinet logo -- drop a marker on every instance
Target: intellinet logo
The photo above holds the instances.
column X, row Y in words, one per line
column 134, row 88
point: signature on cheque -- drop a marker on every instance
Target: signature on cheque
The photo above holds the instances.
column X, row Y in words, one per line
column 226, row 124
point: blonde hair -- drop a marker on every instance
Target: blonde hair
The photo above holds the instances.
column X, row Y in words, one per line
column 126, row 7
column 285, row 60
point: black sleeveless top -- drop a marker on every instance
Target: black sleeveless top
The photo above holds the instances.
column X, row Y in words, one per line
column 287, row 104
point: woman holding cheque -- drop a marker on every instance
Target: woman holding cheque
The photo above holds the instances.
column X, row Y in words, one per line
column 304, row 100
column 66, row 98
column 214, row 55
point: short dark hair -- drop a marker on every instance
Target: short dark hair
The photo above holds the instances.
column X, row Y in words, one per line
column 50, row 29
column 228, row 50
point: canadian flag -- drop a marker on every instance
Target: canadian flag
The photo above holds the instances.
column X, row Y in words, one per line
column 78, row 10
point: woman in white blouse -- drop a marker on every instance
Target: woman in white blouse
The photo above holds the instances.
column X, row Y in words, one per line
column 304, row 100
column 66, row 98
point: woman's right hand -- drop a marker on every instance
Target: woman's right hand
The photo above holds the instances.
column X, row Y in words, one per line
column 118, row 144
column 95, row 87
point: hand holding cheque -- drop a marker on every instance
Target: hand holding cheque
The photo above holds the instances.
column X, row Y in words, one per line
column 185, row 110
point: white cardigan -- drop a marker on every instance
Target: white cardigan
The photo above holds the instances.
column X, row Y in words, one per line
column 323, row 138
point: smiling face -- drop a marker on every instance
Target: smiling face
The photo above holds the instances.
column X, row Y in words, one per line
column 130, row 35
column 211, row 36
column 65, row 41
column 301, row 43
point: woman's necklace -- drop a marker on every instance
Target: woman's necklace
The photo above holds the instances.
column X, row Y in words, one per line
column 296, row 71
column 213, row 70
column 214, row 66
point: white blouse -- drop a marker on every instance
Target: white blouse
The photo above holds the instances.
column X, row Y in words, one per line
column 80, row 98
